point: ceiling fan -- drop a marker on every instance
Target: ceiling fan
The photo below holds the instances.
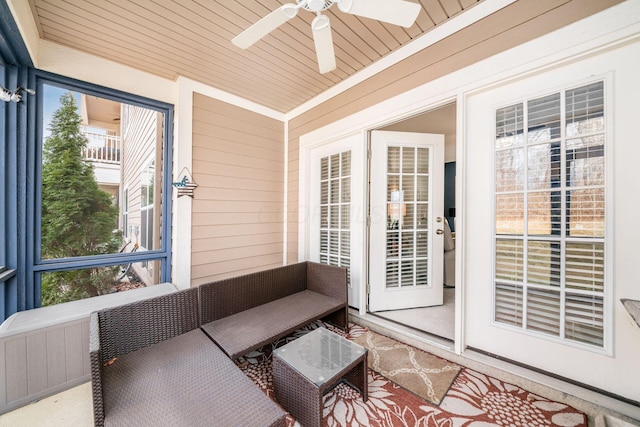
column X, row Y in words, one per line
column 397, row 12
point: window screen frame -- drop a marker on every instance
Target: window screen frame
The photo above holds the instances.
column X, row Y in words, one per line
column 37, row 266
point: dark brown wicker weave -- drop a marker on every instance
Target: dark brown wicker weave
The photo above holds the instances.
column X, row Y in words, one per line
column 244, row 313
column 303, row 399
column 167, row 371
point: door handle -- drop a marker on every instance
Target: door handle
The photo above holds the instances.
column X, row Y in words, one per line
column 439, row 231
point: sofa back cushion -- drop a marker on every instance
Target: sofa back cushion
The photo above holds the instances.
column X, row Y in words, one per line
column 229, row 296
column 327, row 280
column 133, row 326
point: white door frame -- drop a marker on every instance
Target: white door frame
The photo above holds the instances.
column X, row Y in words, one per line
column 361, row 124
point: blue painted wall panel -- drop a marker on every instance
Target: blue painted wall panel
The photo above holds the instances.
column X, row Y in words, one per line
column 15, row 62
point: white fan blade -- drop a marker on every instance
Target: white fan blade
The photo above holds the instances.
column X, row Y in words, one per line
column 324, row 43
column 397, row 12
column 265, row 25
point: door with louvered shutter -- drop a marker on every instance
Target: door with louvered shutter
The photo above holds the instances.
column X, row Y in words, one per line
column 406, row 234
column 335, row 213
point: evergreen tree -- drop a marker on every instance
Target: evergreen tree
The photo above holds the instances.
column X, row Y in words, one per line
column 77, row 217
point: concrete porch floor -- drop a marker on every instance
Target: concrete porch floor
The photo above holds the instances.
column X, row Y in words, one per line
column 73, row 407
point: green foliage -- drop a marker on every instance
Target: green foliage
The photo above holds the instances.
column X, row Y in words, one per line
column 78, row 218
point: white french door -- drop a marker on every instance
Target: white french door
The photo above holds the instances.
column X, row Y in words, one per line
column 406, row 210
column 335, row 205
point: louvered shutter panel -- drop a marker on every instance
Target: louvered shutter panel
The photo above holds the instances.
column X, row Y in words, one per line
column 335, row 210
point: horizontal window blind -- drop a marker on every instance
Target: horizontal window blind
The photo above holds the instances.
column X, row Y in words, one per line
column 543, row 311
column 550, row 215
column 407, row 244
column 335, row 210
column 508, row 302
column 585, row 266
column 584, row 318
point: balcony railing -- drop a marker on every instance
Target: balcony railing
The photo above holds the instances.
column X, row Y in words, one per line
column 102, row 148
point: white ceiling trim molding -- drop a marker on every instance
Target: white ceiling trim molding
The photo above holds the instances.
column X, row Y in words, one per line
column 221, row 95
column 449, row 27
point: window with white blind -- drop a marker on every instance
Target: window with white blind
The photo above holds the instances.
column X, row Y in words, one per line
column 408, row 200
column 147, row 191
column 550, row 215
column 335, row 210
column 125, row 213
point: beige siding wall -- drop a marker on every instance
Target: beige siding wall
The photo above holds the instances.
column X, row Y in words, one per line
column 507, row 28
column 237, row 217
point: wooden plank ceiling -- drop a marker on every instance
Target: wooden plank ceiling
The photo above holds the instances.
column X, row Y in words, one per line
column 192, row 38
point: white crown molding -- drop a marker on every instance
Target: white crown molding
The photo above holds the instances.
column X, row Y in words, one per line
column 212, row 92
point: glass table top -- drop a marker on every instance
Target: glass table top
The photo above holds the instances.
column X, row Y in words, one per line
column 320, row 354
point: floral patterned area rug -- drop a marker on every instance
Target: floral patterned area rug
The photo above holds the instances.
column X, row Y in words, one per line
column 474, row 399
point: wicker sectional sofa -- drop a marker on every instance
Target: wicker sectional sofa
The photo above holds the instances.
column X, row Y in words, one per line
column 153, row 362
column 244, row 313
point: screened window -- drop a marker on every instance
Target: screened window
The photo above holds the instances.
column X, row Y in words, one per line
column 550, row 215
column 335, row 207
column 91, row 148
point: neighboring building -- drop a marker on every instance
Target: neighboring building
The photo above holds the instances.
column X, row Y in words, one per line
column 125, row 144
column 101, row 125
column 140, row 194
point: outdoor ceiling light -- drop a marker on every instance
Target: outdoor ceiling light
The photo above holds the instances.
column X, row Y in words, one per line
column 16, row 95
column 5, row 95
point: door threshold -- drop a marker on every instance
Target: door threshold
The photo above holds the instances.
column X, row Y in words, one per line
column 392, row 329
column 412, row 328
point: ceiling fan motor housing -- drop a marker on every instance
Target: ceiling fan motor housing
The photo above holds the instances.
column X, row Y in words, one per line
column 316, row 5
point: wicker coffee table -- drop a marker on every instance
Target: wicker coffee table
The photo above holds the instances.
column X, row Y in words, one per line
column 309, row 367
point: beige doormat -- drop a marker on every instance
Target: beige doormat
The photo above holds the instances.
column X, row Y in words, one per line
column 423, row 374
